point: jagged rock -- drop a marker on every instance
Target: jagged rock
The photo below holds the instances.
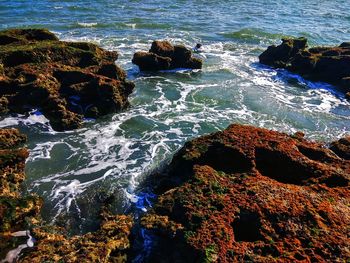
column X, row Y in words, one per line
column 65, row 80
column 163, row 55
column 329, row 64
column 250, row 194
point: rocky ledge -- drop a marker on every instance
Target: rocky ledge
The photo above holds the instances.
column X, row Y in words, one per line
column 253, row 195
column 164, row 56
column 66, row 81
column 328, row 64
column 21, row 213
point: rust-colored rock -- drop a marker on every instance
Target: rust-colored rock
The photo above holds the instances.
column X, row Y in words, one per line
column 250, row 194
column 329, row 64
column 67, row 81
column 163, row 56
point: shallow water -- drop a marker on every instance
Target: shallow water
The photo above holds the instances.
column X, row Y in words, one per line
column 74, row 171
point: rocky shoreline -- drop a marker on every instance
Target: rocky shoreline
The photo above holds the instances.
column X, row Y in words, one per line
column 244, row 194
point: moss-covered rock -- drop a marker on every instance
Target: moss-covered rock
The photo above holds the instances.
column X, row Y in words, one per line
column 250, row 194
column 65, row 80
column 108, row 244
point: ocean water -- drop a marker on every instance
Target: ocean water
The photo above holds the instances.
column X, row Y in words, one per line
column 75, row 171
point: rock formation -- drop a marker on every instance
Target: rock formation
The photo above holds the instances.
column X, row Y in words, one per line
column 328, row 64
column 67, row 81
column 248, row 194
column 17, row 212
column 163, row 56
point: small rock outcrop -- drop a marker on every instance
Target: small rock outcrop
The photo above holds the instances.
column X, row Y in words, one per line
column 328, row 64
column 67, row 81
column 248, row 194
column 164, row 56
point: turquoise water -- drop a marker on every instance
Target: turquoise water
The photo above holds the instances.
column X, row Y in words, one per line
column 75, row 170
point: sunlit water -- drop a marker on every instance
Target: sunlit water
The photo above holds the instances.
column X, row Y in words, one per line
column 74, row 171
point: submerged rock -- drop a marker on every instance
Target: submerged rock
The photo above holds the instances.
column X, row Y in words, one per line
column 250, row 194
column 163, row 56
column 65, row 80
column 329, row 64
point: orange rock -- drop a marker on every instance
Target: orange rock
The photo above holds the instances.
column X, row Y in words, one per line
column 250, row 194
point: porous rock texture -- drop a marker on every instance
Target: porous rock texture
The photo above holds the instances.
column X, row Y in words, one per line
column 164, row 56
column 328, row 64
column 108, row 244
column 17, row 212
column 67, row 81
column 249, row 194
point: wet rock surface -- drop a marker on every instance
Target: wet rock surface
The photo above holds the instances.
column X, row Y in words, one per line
column 18, row 212
column 108, row 244
column 164, row 56
column 328, row 64
column 253, row 195
column 67, row 81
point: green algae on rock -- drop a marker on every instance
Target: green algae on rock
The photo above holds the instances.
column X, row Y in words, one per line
column 65, row 80
column 250, row 194
column 329, row 64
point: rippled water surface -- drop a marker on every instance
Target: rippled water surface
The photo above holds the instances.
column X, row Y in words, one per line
column 74, row 171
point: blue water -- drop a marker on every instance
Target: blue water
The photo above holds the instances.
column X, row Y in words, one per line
column 74, row 170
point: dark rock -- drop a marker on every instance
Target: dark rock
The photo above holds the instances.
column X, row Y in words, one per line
column 162, row 48
column 329, row 64
column 342, row 147
column 279, row 56
column 39, row 71
column 163, row 56
column 150, row 61
column 345, row 44
column 250, row 194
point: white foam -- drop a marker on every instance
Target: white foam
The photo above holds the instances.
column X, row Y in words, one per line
column 87, row 24
column 13, row 254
